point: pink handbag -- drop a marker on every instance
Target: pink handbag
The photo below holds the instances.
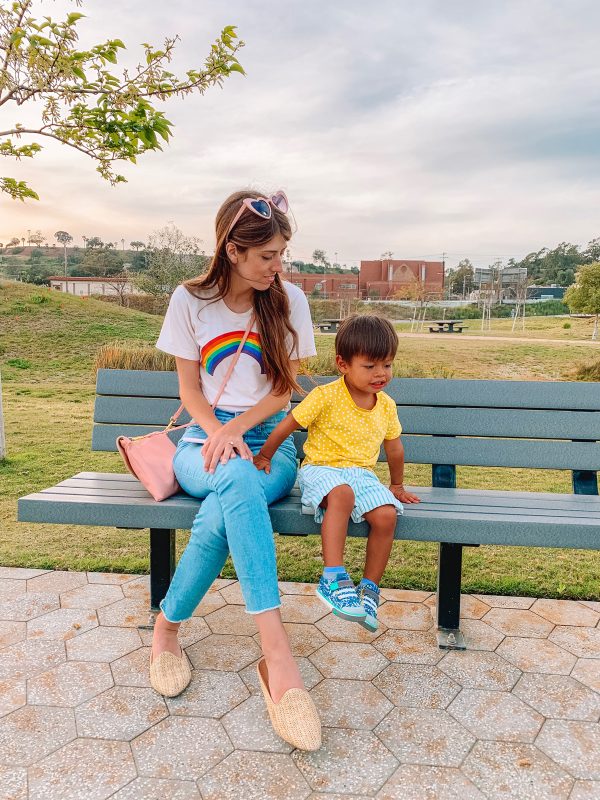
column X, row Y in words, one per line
column 150, row 457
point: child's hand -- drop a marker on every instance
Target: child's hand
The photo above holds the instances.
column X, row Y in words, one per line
column 400, row 493
column 262, row 462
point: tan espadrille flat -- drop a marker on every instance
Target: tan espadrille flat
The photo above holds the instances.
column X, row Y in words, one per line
column 170, row 674
column 295, row 717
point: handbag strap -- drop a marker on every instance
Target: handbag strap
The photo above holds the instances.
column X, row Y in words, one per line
column 232, row 363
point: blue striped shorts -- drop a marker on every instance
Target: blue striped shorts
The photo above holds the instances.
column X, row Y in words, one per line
column 315, row 482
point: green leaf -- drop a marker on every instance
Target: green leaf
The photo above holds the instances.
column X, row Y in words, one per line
column 73, row 17
column 79, row 72
column 237, row 68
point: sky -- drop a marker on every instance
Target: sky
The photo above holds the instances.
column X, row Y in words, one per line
column 465, row 128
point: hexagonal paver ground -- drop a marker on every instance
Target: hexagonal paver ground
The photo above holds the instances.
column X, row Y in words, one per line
column 349, row 761
column 13, row 781
column 350, row 704
column 416, row 782
column 31, row 732
column 401, row 716
column 536, row 655
column 425, row 736
column 211, row 693
column 496, row 715
column 510, row 771
column 157, row 789
column 89, row 768
column 181, row 748
column 559, row 697
column 413, row 685
column 266, row 776
column 348, row 660
column 582, row 642
column 122, row 712
column 249, row 728
column 69, row 684
column 410, row 647
column 575, row 746
column 476, row 669
column 224, row 652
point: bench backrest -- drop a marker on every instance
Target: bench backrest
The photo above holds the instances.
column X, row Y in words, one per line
column 544, row 425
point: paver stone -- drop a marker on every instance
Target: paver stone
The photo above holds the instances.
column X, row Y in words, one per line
column 181, row 748
column 121, row 712
column 410, row 647
column 414, row 685
column 103, row 644
column 582, row 642
column 222, row 652
column 91, row 595
column 69, row 684
column 13, row 695
column 515, row 771
column 27, row 658
column 477, row 669
column 425, row 736
column 231, row 620
column 575, row 746
column 418, row 782
column 157, row 789
column 406, row 616
column 64, row 623
column 86, row 768
column 348, row 660
column 13, row 781
column 587, row 671
column 348, row 761
column 496, row 715
column 211, row 693
column 350, row 704
column 31, row 732
column 518, row 622
column 249, row 728
column 566, row 612
column 254, row 776
column 536, row 655
column 559, row 697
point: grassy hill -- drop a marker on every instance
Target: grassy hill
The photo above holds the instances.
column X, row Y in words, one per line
column 48, row 347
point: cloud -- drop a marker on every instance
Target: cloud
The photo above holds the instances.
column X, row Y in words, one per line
column 470, row 128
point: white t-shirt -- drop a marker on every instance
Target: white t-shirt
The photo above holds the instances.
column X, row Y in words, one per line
column 209, row 332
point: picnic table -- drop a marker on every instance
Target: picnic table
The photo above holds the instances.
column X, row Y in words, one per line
column 329, row 325
column 447, row 326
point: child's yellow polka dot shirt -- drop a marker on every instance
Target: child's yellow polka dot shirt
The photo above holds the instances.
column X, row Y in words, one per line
column 340, row 434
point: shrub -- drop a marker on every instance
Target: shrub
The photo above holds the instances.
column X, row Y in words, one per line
column 588, row 372
column 566, row 325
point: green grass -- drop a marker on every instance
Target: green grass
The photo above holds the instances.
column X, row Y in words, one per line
column 48, row 401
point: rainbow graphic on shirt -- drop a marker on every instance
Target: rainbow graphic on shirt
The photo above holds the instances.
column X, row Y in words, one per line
column 226, row 345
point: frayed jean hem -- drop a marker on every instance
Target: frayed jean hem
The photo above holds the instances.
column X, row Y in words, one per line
column 172, row 621
column 262, row 610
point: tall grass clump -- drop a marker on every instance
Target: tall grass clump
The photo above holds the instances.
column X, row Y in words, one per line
column 588, row 372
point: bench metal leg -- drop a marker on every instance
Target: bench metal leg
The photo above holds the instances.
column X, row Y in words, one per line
column 449, row 635
column 162, row 563
column 585, row 482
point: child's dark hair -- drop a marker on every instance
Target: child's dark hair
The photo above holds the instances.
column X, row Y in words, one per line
column 366, row 335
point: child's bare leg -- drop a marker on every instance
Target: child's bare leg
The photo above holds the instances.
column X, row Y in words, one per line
column 382, row 524
column 338, row 505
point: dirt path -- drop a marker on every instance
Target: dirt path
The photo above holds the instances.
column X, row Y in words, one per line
column 478, row 338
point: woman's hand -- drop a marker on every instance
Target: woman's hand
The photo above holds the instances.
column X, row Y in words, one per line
column 400, row 493
column 225, row 443
column 262, row 462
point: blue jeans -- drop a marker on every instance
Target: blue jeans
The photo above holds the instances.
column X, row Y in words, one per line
column 233, row 518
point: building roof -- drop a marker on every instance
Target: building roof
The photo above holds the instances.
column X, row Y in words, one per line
column 105, row 279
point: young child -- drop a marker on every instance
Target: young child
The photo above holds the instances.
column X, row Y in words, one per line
column 347, row 421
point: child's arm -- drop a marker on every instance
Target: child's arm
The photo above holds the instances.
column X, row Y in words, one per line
column 394, row 450
column 262, row 460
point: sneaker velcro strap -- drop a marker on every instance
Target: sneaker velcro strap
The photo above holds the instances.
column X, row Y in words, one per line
column 343, row 584
column 366, row 592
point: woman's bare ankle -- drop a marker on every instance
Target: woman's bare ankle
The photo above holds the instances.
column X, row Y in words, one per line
column 165, row 636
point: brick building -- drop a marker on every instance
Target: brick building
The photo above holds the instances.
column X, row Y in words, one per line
column 384, row 279
column 394, row 277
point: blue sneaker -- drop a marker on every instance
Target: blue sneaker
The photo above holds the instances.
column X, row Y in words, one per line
column 368, row 595
column 340, row 596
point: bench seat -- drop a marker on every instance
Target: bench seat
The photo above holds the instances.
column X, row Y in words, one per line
column 486, row 517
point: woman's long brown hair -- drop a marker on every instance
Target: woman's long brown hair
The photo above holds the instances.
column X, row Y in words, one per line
column 271, row 306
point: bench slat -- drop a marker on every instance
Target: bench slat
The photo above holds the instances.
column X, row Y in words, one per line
column 566, row 395
column 423, row 523
column 414, row 419
column 525, row 453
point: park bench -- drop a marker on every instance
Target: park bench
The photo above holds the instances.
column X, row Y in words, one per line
column 447, row 423
column 448, row 326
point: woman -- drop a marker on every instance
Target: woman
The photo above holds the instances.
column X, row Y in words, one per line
column 242, row 293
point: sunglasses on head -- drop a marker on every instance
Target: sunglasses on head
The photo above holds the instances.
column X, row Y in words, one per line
column 261, row 206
